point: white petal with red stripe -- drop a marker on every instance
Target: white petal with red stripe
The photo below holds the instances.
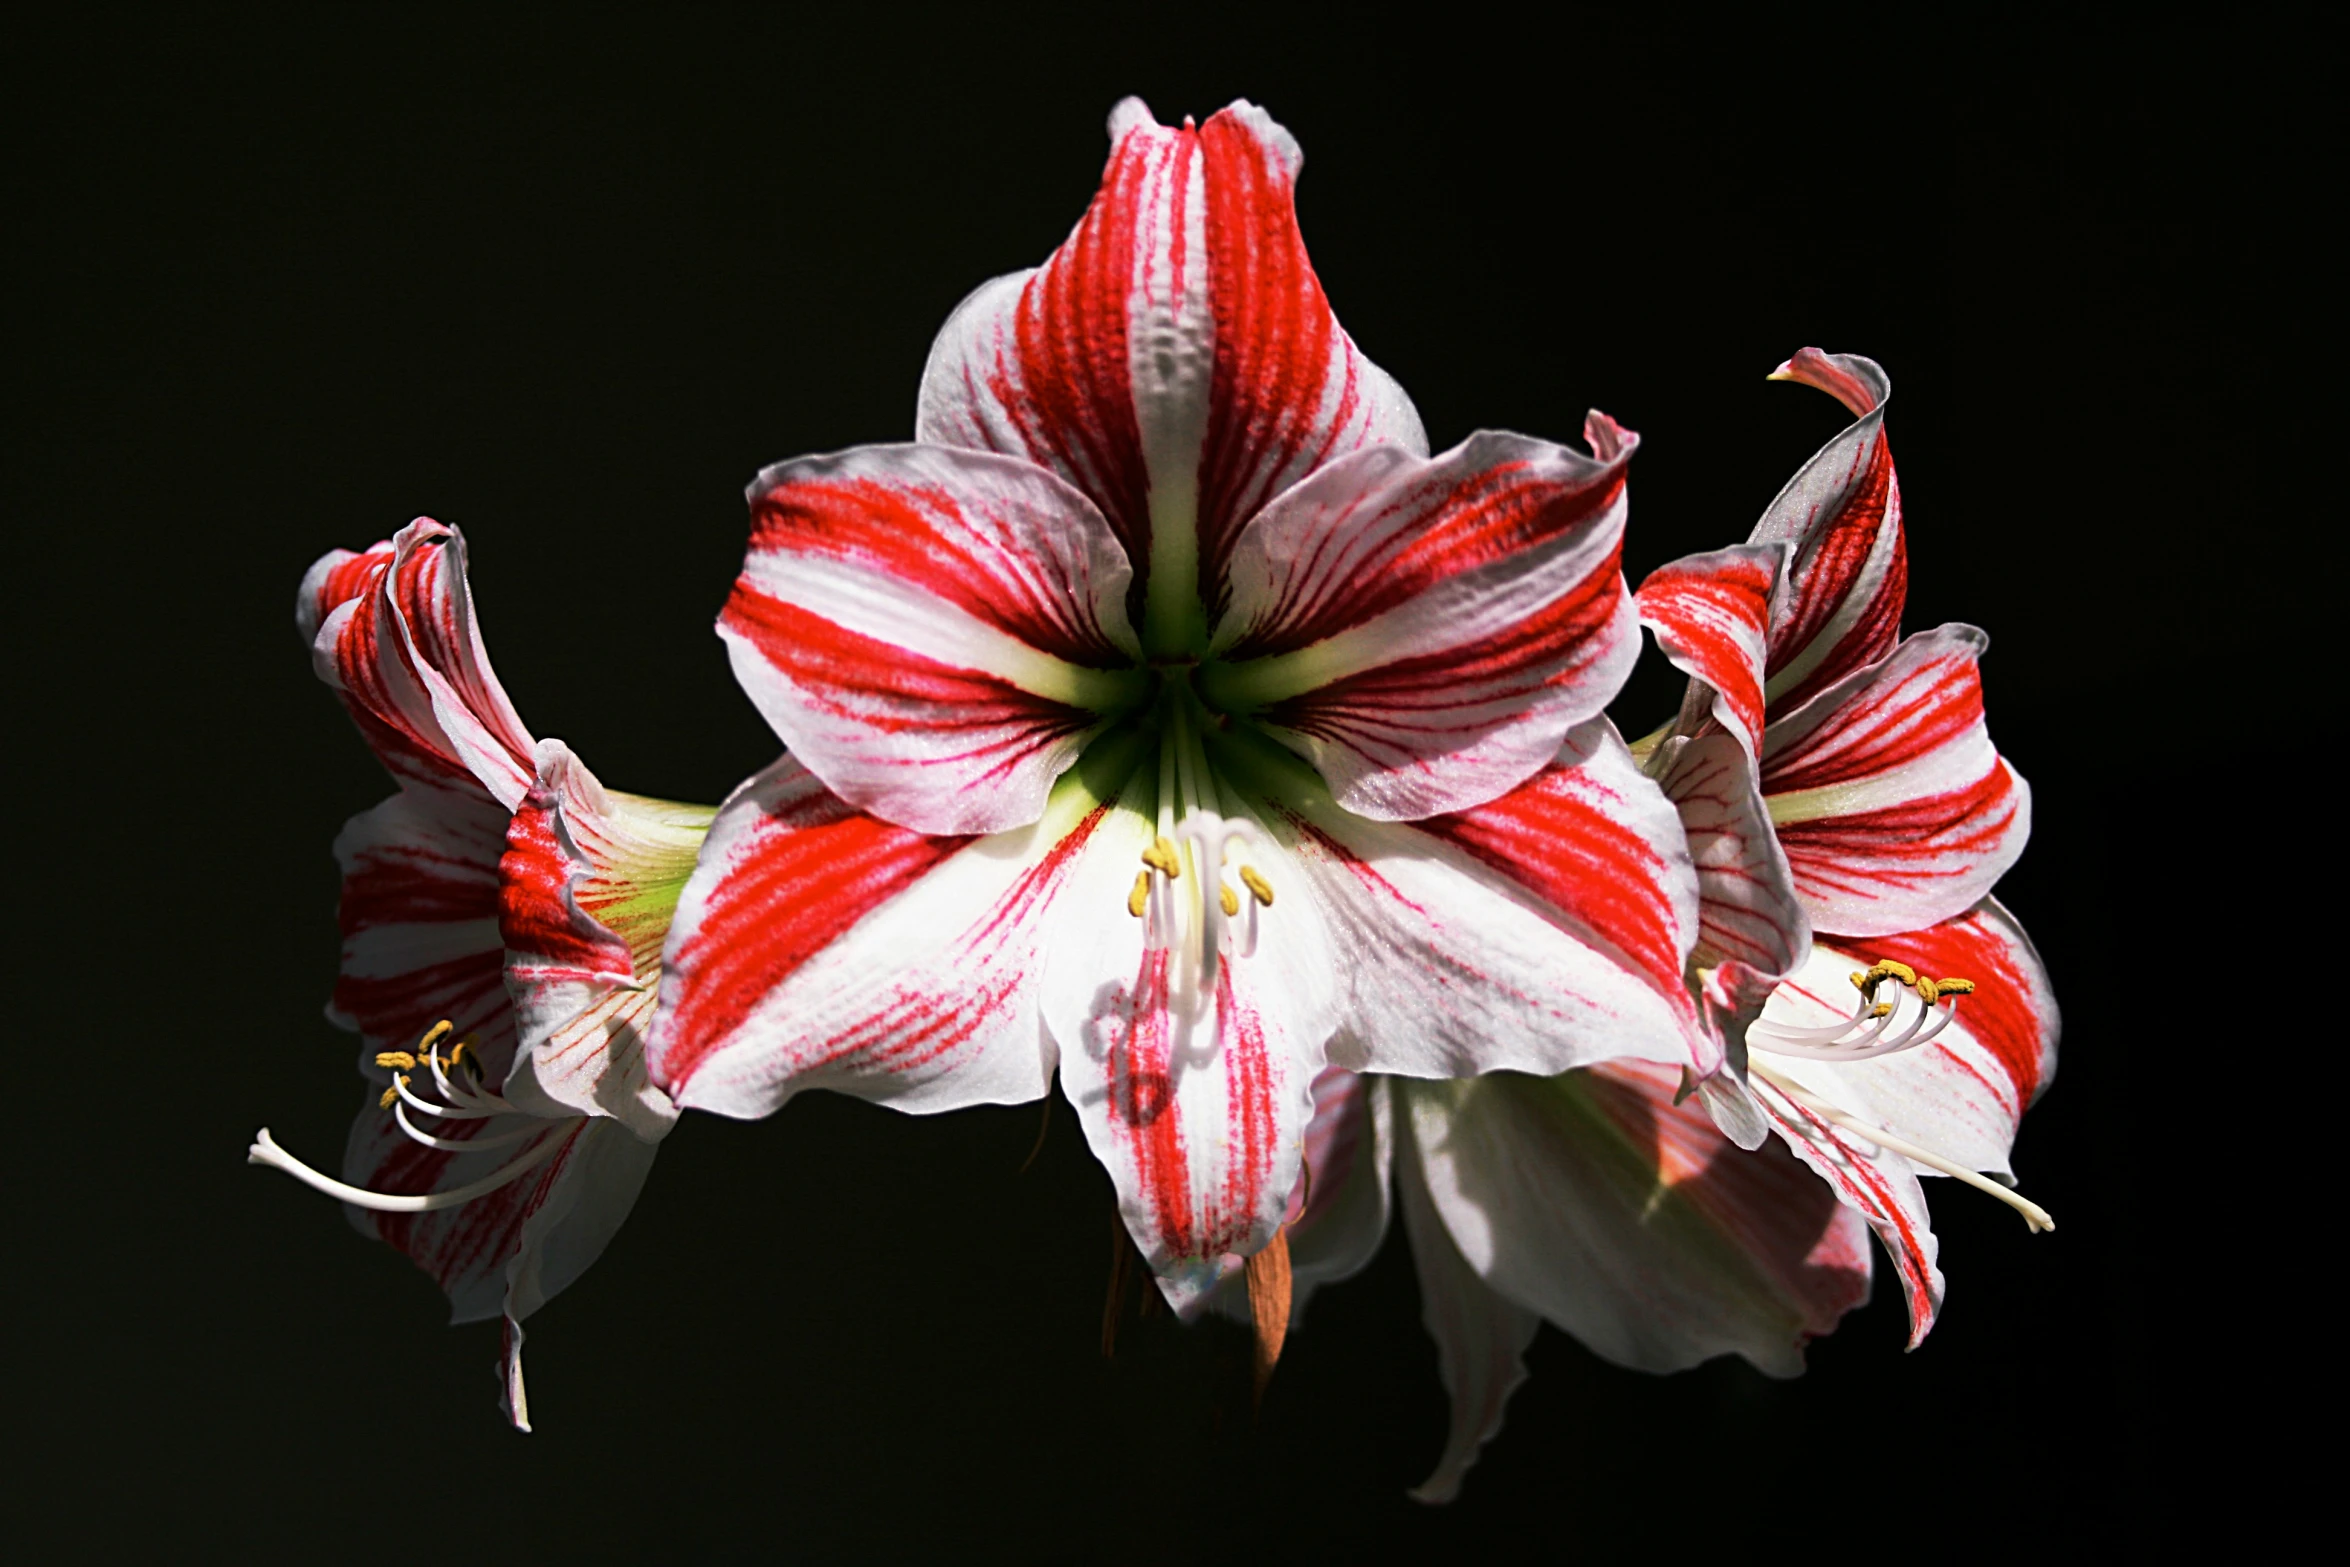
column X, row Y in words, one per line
column 1197, row 1113
column 1542, row 931
column 588, row 885
column 1747, row 908
column 817, row 946
column 935, row 633
column 1842, row 515
column 1963, row 1093
column 1427, row 630
column 1631, row 1222
column 393, row 630
column 1175, row 358
column 1893, row 808
column 1711, row 616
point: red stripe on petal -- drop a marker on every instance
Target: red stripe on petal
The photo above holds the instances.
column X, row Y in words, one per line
column 1711, row 619
column 1561, row 835
column 1938, row 839
column 537, row 916
column 1832, row 566
column 1881, row 725
column 796, row 883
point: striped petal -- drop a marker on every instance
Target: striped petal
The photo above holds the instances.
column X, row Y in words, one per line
column 1542, row 931
column 1481, row 1335
column 1426, row 631
column 1711, row 616
column 1964, row 1093
column 1842, row 515
column 1747, row 908
column 1893, row 808
column 1175, row 359
column 588, row 885
column 818, row 946
column 419, row 918
column 1197, row 1117
column 393, row 631
column 934, row 633
column 1631, row 1222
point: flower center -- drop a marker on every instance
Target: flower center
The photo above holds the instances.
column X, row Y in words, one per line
column 456, row 1081
column 1878, row 1027
column 1199, row 917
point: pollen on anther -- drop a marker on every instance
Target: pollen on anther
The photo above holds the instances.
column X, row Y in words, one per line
column 1259, row 888
column 1230, row 899
column 395, row 1058
column 1140, row 896
column 1161, row 857
column 434, row 1035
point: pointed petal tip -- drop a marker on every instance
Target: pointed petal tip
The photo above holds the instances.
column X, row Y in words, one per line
column 1128, row 113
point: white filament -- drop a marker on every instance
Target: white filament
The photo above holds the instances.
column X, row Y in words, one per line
column 266, row 1151
column 1864, row 1036
column 2035, row 1216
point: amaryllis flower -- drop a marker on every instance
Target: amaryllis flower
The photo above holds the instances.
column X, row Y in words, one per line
column 502, row 919
column 1165, row 715
column 1829, row 779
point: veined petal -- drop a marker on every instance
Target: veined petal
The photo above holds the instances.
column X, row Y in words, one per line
column 1881, row 1187
column 419, row 917
column 1197, row 1117
column 1175, row 358
column 1631, row 1222
column 1893, row 808
column 1481, row 1336
column 1711, row 616
column 935, row 633
column 1747, row 908
column 393, row 631
column 1964, row 1093
column 1426, row 630
column 1338, row 1215
column 817, row 946
column 1842, row 514
column 588, row 885
column 1544, row 930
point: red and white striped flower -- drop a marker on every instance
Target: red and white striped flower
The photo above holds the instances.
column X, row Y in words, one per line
column 1847, row 816
column 1165, row 715
column 502, row 917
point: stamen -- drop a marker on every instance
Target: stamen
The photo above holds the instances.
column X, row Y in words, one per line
column 391, row 1097
column 434, row 1035
column 1259, row 888
column 1161, row 857
column 2035, row 1216
column 1140, row 896
column 396, row 1058
column 266, row 1151
column 1871, row 1031
column 1229, row 899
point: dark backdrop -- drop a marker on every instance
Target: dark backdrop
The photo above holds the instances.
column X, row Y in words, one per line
column 569, row 283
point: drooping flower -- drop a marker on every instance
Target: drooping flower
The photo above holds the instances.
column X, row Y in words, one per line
column 1165, row 716
column 1847, row 816
column 502, row 919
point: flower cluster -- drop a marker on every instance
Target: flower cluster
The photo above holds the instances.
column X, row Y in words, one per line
column 1166, row 721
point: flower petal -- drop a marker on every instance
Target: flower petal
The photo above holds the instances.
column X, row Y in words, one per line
column 934, row 633
column 588, row 885
column 393, row 631
column 419, row 917
column 1631, row 1222
column 817, row 946
column 1338, row 1215
column 1426, row 630
column 1964, row 1093
column 1197, row 1119
column 1541, row 931
column 1747, row 908
column 1481, row 1336
column 1175, row 358
column 1893, row 808
column 1711, row 616
column 1842, row 514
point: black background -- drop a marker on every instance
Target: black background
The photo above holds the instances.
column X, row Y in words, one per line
column 567, row 283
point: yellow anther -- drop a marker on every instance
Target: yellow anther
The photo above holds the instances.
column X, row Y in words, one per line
column 1259, row 888
column 1955, row 987
column 1230, row 899
column 1887, row 968
column 1860, row 982
column 399, row 1058
column 434, row 1035
column 1141, row 894
column 1881, row 1009
column 458, row 1051
column 1161, row 857
column 390, row 1098
column 1926, row 989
